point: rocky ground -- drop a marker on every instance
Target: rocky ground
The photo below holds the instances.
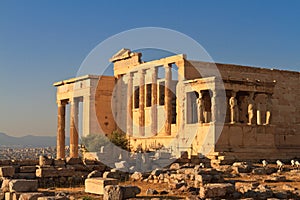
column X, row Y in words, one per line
column 237, row 181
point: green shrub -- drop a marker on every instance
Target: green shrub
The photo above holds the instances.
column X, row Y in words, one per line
column 93, row 142
column 120, row 140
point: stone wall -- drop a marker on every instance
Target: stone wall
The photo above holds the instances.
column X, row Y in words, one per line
column 278, row 139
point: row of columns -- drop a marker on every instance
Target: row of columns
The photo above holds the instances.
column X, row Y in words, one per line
column 154, row 102
column 61, row 116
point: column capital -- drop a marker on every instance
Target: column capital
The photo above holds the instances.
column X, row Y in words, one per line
column 142, row 71
column 61, row 102
column 167, row 65
column 153, row 69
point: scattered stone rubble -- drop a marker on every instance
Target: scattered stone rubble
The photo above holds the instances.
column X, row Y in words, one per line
column 193, row 180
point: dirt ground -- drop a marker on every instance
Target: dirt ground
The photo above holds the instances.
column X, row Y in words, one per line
column 292, row 179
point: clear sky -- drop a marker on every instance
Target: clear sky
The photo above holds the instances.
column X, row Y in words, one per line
column 46, row 41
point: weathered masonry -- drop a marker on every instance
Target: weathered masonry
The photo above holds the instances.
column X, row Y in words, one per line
column 246, row 112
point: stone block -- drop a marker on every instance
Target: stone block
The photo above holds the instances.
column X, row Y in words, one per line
column 202, row 179
column 5, row 185
column 27, row 169
column 51, row 172
column 215, row 190
column 113, row 192
column 52, row 198
column 122, row 165
column 136, row 176
column 7, row 171
column 130, row 191
column 22, row 185
column 30, row 196
column 28, row 162
column 59, row 162
column 12, row 196
column 94, row 174
column 44, row 161
column 116, row 192
column 114, row 175
column 25, row 176
column 97, row 185
column 73, row 161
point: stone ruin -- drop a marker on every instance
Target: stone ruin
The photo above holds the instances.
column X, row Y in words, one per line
column 242, row 113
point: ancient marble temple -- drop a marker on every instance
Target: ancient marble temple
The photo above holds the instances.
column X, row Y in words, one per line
column 244, row 112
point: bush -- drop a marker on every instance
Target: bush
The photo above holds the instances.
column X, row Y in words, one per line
column 120, row 140
column 94, row 142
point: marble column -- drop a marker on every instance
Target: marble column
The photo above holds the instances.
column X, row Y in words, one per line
column 168, row 99
column 154, row 102
column 142, row 103
column 129, row 103
column 119, row 101
column 61, row 121
column 74, row 104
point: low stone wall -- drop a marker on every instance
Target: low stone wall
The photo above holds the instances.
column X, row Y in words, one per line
column 50, row 172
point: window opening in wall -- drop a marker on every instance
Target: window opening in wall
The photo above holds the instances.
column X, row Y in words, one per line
column 148, row 95
column 161, row 93
column 136, row 97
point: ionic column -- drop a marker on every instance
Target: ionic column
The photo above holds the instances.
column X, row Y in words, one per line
column 168, row 99
column 154, row 102
column 74, row 104
column 129, row 103
column 89, row 118
column 61, row 120
column 119, row 102
column 142, row 103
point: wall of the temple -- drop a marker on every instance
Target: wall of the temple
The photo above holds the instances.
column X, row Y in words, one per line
column 103, row 104
column 283, row 133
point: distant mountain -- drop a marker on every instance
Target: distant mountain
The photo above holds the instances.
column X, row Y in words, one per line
column 27, row 141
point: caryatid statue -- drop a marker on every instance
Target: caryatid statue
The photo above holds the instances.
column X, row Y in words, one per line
column 269, row 108
column 250, row 108
column 200, row 108
column 234, row 110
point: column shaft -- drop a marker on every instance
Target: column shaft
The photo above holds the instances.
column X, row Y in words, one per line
column 154, row 103
column 74, row 129
column 129, row 104
column 168, row 99
column 142, row 104
column 61, row 112
column 119, row 103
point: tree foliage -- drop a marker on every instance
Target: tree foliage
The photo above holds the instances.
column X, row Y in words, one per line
column 94, row 142
column 120, row 140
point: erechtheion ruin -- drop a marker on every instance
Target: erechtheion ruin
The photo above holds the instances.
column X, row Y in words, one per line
column 167, row 102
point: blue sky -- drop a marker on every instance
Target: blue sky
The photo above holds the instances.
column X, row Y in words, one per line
column 46, row 41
